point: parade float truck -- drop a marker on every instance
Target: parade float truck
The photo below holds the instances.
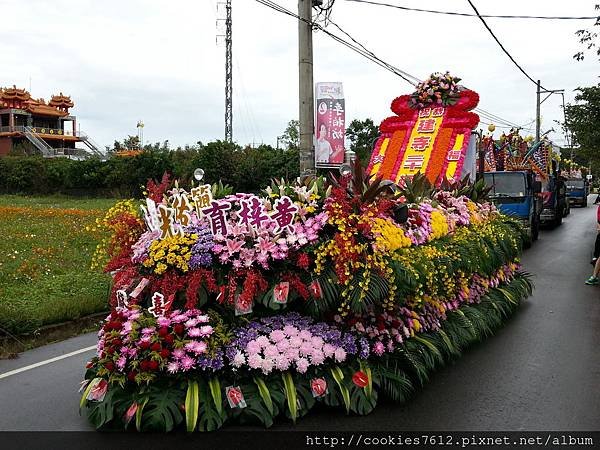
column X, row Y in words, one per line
column 556, row 203
column 516, row 193
column 518, row 174
column 246, row 309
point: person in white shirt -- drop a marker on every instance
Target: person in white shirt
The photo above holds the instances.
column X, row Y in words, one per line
column 323, row 149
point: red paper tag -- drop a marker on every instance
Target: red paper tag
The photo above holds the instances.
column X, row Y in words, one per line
column 235, row 397
column 315, row 289
column 318, row 386
column 242, row 307
column 281, row 292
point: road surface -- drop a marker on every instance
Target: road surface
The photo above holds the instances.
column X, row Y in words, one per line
column 540, row 372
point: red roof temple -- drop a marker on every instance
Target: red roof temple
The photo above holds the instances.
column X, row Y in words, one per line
column 39, row 127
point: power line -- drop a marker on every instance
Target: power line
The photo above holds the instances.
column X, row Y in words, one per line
column 502, row 46
column 363, row 51
column 452, row 13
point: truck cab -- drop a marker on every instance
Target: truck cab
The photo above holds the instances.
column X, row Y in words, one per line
column 577, row 190
column 516, row 194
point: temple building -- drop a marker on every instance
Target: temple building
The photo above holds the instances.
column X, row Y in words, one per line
column 35, row 127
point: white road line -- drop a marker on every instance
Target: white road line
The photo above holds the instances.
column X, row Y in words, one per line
column 48, row 361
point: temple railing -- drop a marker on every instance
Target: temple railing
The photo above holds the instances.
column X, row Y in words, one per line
column 41, row 130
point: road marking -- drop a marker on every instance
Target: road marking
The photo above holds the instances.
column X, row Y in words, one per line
column 48, row 361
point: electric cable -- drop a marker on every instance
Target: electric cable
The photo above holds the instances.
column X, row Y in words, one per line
column 490, row 16
column 362, row 50
column 502, row 46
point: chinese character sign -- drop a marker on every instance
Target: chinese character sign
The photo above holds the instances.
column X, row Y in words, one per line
column 182, row 209
column 330, row 124
column 432, row 140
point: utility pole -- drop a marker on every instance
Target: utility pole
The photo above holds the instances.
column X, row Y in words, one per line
column 538, row 122
column 228, row 76
column 306, row 87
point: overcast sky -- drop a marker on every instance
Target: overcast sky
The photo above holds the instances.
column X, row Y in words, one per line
column 158, row 61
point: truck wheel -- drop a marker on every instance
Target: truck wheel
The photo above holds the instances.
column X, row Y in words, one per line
column 558, row 220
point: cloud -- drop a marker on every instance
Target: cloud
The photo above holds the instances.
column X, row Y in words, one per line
column 158, row 61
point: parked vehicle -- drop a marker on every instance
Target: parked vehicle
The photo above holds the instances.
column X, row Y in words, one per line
column 577, row 190
column 516, row 193
column 556, row 202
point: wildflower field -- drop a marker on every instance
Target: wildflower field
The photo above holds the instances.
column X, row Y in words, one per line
column 45, row 257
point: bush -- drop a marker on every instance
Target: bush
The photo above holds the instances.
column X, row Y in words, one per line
column 245, row 169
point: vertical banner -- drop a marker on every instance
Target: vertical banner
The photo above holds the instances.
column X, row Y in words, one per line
column 330, row 124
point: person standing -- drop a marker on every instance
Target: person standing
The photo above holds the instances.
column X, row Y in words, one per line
column 593, row 279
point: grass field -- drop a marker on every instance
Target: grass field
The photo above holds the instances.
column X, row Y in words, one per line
column 45, row 254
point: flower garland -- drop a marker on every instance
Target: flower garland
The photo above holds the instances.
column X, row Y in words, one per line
column 438, row 89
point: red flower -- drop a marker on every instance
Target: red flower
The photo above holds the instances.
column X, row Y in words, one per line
column 131, row 375
column 117, row 342
column 89, row 365
column 155, row 347
column 169, row 339
column 179, row 328
column 144, row 366
column 109, row 366
column 152, row 365
column 360, row 379
column 163, row 331
column 303, row 261
column 164, row 353
column 144, row 345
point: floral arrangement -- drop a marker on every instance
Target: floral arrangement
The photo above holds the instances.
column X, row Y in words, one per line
column 135, row 346
column 291, row 341
column 245, row 307
column 440, row 89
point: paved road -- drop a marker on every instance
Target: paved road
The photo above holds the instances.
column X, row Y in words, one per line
column 540, row 372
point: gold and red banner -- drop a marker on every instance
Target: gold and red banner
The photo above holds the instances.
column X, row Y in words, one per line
column 432, row 140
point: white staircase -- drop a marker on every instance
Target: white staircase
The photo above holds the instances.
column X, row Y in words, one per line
column 37, row 142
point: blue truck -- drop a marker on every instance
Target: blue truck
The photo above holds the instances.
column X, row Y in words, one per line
column 577, row 190
column 515, row 193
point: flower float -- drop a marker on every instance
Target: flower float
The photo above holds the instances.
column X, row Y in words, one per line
column 243, row 308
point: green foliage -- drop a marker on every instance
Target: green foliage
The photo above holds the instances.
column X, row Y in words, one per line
column 291, row 136
column 191, row 405
column 211, row 413
column 362, row 135
column 243, row 169
column 587, row 38
column 581, row 118
column 162, row 411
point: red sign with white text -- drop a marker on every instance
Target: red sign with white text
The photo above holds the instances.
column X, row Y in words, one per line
column 330, row 124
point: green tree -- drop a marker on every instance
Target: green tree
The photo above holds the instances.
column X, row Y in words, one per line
column 291, row 136
column 362, row 135
column 588, row 39
column 582, row 119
